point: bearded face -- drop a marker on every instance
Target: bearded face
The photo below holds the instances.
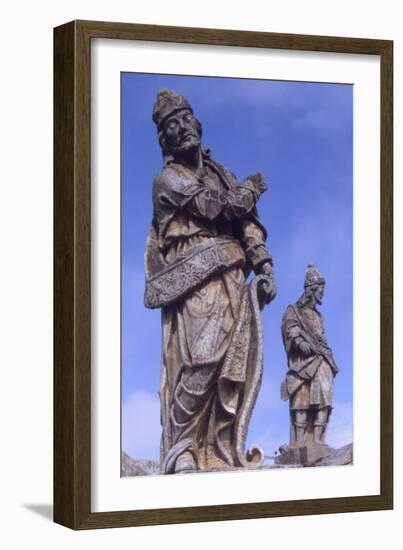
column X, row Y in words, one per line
column 318, row 293
column 181, row 133
column 313, row 294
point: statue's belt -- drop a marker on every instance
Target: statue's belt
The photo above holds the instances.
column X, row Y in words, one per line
column 188, row 272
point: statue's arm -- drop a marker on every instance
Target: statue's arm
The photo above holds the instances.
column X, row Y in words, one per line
column 254, row 244
column 253, row 234
column 229, row 205
column 292, row 331
column 172, row 190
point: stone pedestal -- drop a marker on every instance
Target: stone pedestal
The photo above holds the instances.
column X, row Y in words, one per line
column 302, row 456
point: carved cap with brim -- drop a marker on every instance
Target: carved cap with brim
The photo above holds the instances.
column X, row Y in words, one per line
column 313, row 277
column 168, row 103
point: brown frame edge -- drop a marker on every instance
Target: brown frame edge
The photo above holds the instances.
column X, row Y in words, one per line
column 72, row 305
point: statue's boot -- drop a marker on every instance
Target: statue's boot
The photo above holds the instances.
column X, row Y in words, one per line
column 319, row 426
column 318, row 433
column 300, row 428
column 185, row 463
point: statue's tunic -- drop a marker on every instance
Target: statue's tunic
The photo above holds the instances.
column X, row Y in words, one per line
column 210, row 327
column 309, row 381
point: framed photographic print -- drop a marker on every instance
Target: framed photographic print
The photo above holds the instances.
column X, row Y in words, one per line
column 223, row 275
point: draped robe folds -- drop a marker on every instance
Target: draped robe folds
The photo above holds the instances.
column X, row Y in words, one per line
column 309, row 381
column 211, row 364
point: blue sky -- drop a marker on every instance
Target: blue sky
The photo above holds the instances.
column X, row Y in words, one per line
column 299, row 135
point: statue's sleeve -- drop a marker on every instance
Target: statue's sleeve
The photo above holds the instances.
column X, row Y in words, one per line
column 172, row 190
column 254, row 244
column 253, row 234
column 291, row 329
column 228, row 205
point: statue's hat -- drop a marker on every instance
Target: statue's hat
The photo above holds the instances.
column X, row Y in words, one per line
column 168, row 102
column 313, row 277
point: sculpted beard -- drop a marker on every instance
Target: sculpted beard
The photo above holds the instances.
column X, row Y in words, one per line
column 189, row 140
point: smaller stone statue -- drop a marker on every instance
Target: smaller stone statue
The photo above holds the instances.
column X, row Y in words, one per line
column 311, row 370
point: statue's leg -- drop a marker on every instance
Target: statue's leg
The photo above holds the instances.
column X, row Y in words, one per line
column 185, row 463
column 190, row 411
column 320, row 424
column 300, row 423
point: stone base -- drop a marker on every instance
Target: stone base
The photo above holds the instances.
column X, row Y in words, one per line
column 302, row 456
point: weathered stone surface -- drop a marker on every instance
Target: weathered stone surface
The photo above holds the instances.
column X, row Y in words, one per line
column 335, row 457
column 311, row 370
column 204, row 239
column 131, row 467
column 338, row 457
column 303, row 456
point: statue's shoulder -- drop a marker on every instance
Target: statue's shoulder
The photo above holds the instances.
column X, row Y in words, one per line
column 291, row 309
column 169, row 175
column 290, row 313
column 223, row 171
column 172, row 178
column 173, row 186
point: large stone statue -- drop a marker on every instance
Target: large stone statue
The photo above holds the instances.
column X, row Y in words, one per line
column 311, row 368
column 204, row 240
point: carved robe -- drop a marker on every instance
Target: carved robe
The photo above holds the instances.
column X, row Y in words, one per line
column 309, row 381
column 201, row 246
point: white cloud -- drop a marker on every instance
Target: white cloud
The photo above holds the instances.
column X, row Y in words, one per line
column 330, row 215
column 141, row 430
column 340, row 430
column 324, row 118
column 239, row 91
column 324, row 238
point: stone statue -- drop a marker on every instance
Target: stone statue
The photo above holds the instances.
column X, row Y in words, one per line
column 204, row 240
column 311, row 368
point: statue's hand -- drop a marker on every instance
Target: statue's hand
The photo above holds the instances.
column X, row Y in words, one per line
column 266, row 269
column 257, row 183
column 305, row 348
column 267, row 290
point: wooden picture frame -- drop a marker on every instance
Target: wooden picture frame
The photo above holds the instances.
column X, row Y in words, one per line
column 72, row 274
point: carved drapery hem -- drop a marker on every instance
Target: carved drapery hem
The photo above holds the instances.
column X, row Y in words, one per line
column 238, row 384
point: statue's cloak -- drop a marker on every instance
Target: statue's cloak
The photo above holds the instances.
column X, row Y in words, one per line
column 212, row 349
